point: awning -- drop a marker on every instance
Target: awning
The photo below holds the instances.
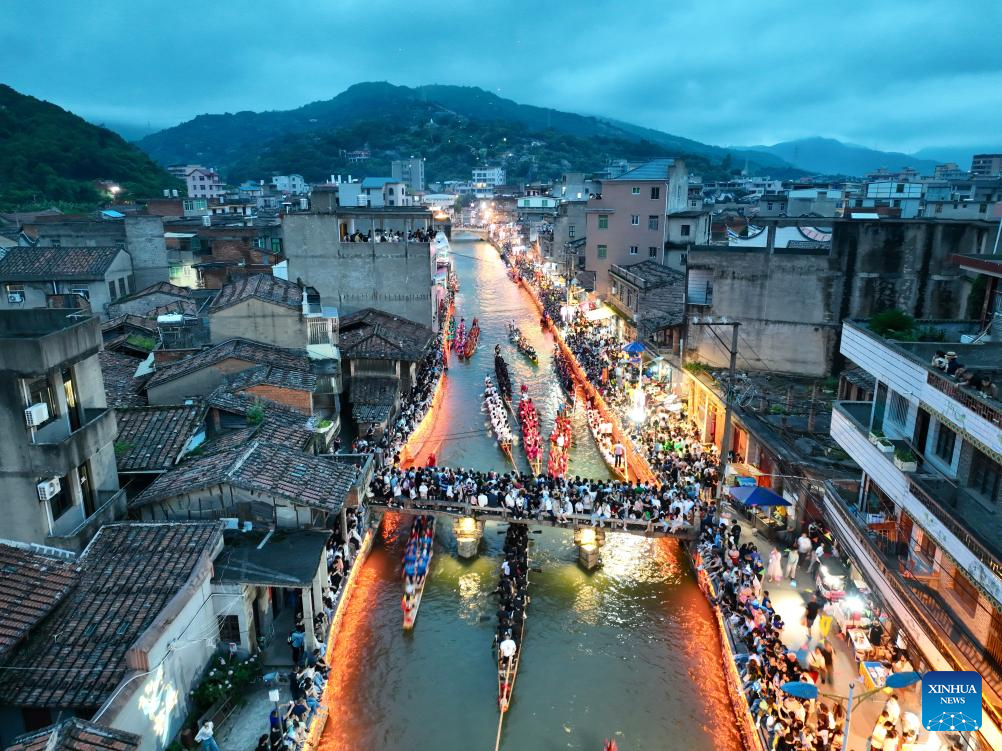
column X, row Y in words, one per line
column 600, row 313
column 757, row 496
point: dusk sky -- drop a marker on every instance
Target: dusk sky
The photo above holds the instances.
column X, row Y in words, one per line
column 895, row 75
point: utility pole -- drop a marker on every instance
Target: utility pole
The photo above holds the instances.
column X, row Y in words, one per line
column 729, row 406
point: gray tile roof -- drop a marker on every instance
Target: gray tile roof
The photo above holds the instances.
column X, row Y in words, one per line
column 28, row 264
column 374, row 391
column 262, row 287
column 33, row 584
column 75, row 734
column 273, row 375
column 260, row 467
column 377, row 335
column 120, row 387
column 128, row 575
column 150, row 439
column 281, row 424
column 239, row 349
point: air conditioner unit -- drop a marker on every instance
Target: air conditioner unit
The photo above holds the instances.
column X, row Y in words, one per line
column 230, row 522
column 36, row 414
column 15, row 297
column 48, row 489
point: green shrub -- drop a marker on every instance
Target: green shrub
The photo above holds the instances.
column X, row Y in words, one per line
column 255, row 414
column 893, row 324
column 904, row 455
column 225, row 676
column 696, row 367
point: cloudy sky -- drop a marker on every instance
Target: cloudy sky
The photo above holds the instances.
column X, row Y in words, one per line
column 890, row 75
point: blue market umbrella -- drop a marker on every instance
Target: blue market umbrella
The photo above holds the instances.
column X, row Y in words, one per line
column 757, row 496
column 902, row 680
column 634, row 348
column 801, row 689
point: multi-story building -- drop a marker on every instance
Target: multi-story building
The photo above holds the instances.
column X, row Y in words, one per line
column 204, row 183
column 290, row 184
column 923, row 522
column 57, row 459
column 986, row 165
column 410, row 171
column 626, row 223
column 489, row 176
column 397, row 277
column 906, row 196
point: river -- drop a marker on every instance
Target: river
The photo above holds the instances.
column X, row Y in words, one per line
column 626, row 652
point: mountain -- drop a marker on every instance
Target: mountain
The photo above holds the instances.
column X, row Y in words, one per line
column 961, row 155
column 396, row 118
column 49, row 155
column 826, row 156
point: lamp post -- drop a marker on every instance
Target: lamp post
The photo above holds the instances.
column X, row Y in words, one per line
column 710, row 323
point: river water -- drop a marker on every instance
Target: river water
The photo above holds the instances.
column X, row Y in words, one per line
column 628, row 651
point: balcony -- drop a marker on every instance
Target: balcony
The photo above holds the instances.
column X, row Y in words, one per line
column 72, row 531
column 965, row 532
column 57, row 449
column 928, row 620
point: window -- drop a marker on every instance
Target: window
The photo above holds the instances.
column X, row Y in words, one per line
column 655, row 193
column 682, row 257
column 229, row 629
column 82, row 291
column 111, row 290
column 984, row 477
column 898, row 411
column 15, row 293
column 946, row 439
column 603, row 251
column 635, row 220
column 652, row 221
column 122, row 291
column 62, row 502
column 39, row 392
column 634, row 250
column 652, row 251
column 686, row 230
column 603, row 221
column 570, row 231
column 276, row 245
column 636, row 190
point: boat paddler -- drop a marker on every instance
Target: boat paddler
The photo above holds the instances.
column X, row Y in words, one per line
column 507, row 648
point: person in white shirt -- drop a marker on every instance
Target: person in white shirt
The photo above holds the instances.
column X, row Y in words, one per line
column 508, row 647
column 893, row 709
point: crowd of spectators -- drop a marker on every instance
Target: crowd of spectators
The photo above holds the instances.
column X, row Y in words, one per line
column 388, row 236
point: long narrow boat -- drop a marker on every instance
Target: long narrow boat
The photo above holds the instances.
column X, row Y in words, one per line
column 450, row 330
column 528, row 420
column 503, row 378
column 603, row 439
column 472, row 338
column 565, row 376
column 560, row 444
column 418, row 554
column 516, row 337
column 460, row 341
column 508, row 669
column 498, row 417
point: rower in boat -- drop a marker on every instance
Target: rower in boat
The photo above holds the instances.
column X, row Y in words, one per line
column 528, row 419
column 460, row 340
column 498, row 417
column 503, row 376
column 417, row 559
column 514, row 600
column 472, row 338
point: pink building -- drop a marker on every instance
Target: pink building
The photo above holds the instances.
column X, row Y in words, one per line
column 627, row 223
column 204, row 183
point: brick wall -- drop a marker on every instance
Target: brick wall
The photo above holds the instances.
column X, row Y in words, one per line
column 301, row 401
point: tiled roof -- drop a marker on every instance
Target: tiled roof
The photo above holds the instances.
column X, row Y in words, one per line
column 373, row 391
column 33, row 585
column 240, row 349
column 370, row 412
column 150, row 439
column 75, row 734
column 263, row 287
column 371, row 333
column 51, row 264
column 161, row 288
column 120, row 387
column 281, row 424
column 304, row 479
column 128, row 574
column 271, row 375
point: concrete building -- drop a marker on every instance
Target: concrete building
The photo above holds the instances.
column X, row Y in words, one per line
column 57, row 460
column 683, row 230
column 204, row 183
column 894, row 194
column 290, row 184
column 650, row 301
column 922, row 521
column 409, row 171
column 141, row 235
column 139, row 591
column 986, row 165
column 856, row 269
column 489, row 177
column 397, row 277
column 575, row 186
column 626, row 222
column 45, row 277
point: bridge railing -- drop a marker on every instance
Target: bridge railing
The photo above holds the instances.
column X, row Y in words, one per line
column 501, row 513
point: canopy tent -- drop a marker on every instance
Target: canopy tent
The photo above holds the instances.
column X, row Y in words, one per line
column 757, row 496
column 634, row 348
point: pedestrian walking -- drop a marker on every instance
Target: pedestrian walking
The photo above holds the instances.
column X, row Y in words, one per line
column 811, row 613
column 204, row 736
column 791, row 564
